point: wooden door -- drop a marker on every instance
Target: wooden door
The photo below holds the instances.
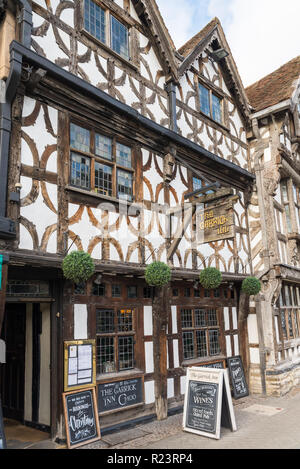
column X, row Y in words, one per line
column 12, row 373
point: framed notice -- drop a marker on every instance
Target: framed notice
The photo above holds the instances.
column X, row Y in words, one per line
column 79, row 364
column 208, row 403
column 81, row 417
column 237, row 377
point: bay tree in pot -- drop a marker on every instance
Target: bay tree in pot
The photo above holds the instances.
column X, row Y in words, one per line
column 210, row 278
column 78, row 266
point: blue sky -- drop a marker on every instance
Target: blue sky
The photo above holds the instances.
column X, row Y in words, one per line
column 262, row 34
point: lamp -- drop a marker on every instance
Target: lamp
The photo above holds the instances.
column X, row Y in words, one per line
column 219, row 54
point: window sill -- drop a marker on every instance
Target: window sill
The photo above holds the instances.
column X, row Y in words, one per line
column 109, row 50
column 206, row 361
column 223, row 126
column 119, row 376
column 104, row 198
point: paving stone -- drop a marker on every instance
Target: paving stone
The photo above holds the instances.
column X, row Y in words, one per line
column 121, row 437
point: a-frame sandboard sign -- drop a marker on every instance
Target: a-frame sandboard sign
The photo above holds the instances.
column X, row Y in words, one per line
column 208, row 403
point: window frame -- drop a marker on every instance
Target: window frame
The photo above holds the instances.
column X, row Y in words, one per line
column 94, row 158
column 108, row 13
column 194, row 328
column 211, row 93
column 116, row 335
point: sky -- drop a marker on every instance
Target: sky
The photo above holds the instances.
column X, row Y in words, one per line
column 262, row 34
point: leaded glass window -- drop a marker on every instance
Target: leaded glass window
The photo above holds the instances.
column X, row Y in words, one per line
column 204, row 100
column 200, row 333
column 94, row 20
column 115, row 340
column 80, row 171
column 210, row 104
column 97, row 163
column 119, row 38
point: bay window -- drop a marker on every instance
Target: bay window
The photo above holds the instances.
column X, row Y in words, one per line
column 100, row 164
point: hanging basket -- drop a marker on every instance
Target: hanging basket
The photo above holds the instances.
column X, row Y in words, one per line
column 78, row 266
column 251, row 286
column 210, row 278
column 158, row 274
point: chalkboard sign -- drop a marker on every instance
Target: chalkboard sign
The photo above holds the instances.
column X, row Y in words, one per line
column 207, row 403
column 81, row 417
column 237, row 377
column 120, row 394
column 217, row 365
column 2, row 434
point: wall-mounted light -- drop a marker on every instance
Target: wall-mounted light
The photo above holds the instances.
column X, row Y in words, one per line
column 218, row 55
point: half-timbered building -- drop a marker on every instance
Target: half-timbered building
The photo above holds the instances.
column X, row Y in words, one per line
column 274, row 228
column 111, row 140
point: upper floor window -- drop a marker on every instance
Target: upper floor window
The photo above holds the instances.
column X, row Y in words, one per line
column 100, row 164
column 210, row 104
column 101, row 24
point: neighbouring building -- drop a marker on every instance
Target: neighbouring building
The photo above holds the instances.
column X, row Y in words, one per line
column 274, row 228
column 115, row 143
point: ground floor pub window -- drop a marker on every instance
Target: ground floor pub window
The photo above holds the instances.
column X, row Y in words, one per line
column 200, row 333
column 115, row 329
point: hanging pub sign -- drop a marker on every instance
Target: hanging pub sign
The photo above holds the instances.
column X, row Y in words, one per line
column 208, row 403
column 237, row 377
column 81, row 417
column 215, row 223
column 79, row 364
column 2, row 434
column 120, row 394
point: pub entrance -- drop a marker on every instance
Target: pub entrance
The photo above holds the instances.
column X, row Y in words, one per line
column 25, row 377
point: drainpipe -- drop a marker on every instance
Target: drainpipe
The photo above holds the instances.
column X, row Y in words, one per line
column 7, row 227
column 171, row 90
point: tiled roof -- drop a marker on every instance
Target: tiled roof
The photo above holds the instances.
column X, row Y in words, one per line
column 187, row 48
column 275, row 87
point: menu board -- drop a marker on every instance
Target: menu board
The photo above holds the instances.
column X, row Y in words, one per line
column 120, row 394
column 237, row 377
column 81, row 417
column 80, row 364
column 207, row 403
column 2, row 434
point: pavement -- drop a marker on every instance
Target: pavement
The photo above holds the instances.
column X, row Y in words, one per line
column 262, row 423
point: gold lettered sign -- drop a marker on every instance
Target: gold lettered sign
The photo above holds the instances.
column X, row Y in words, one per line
column 215, row 223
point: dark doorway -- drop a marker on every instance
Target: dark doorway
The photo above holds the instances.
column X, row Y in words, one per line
column 12, row 373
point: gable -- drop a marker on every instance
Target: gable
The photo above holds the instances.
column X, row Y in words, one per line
column 208, row 40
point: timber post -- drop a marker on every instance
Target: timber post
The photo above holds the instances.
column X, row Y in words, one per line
column 160, row 320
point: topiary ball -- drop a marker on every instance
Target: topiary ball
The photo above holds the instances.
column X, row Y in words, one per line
column 251, row 286
column 78, row 266
column 210, row 278
column 158, row 274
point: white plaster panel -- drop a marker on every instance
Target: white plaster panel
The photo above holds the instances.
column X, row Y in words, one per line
column 174, row 319
column 252, row 329
column 80, row 322
column 228, row 346
column 236, row 345
column 234, row 318
column 148, row 325
column 226, row 319
column 149, row 392
column 170, row 388
column 149, row 357
column 175, row 353
column 182, row 384
column 26, row 241
column 254, row 356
